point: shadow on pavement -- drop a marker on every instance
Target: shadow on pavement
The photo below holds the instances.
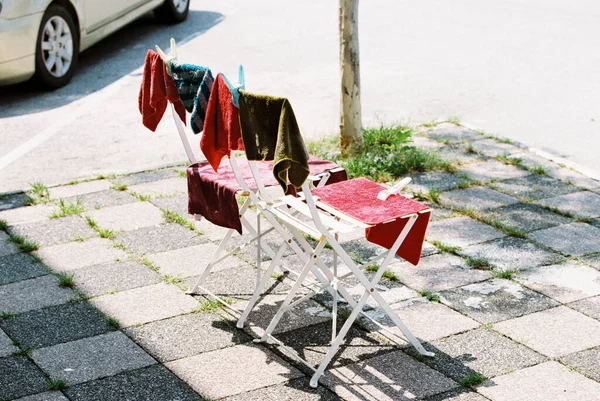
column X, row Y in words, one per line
column 106, row 62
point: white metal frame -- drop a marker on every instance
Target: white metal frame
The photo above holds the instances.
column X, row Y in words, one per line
column 325, row 224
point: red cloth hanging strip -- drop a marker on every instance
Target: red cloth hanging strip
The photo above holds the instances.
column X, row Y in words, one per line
column 357, row 198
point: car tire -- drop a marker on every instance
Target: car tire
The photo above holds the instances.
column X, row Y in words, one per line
column 173, row 11
column 57, row 48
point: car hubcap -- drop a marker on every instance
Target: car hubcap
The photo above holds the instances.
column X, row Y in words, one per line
column 180, row 5
column 57, row 46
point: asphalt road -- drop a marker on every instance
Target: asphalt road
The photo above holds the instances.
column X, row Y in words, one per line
column 522, row 69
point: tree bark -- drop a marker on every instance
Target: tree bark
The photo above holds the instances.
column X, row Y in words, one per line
column 351, row 139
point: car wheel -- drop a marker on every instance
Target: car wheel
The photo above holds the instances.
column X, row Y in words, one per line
column 173, row 11
column 57, row 48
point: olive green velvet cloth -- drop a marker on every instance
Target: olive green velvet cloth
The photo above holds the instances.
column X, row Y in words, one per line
column 270, row 132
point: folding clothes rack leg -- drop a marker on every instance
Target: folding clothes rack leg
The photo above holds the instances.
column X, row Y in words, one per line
column 370, row 290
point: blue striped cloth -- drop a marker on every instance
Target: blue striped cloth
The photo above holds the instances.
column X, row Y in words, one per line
column 194, row 84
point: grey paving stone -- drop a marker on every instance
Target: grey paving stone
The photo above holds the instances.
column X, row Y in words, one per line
column 511, row 253
column 312, row 343
column 75, row 255
column 147, row 176
column 177, row 204
column 495, row 300
column 6, row 344
column 14, row 201
column 565, row 282
column 481, row 350
column 527, row 217
column 543, row 382
column 457, row 395
column 113, row 277
column 306, row 313
column 6, row 247
column 47, row 396
column 238, row 282
column 67, row 191
column 434, row 179
column 54, row 325
column 234, row 370
column 19, row 266
column 451, row 132
column 438, row 272
column 553, row 332
column 34, row 293
column 127, row 217
column 55, row 231
column 28, row 214
column 392, row 376
column 164, row 237
column 585, row 204
column 212, row 231
column 166, row 187
column 592, row 260
column 534, row 187
column 187, row 335
column 438, row 212
column 98, row 200
column 145, row 304
column 297, row 390
column 425, row 143
column 492, row 170
column 461, row 232
column 575, row 178
column 391, row 291
column 478, row 199
column 456, row 154
column 145, row 384
column 570, row 239
column 426, row 320
column 187, row 262
column 589, row 306
column 586, row 362
column 20, row 377
column 492, row 148
column 91, row 358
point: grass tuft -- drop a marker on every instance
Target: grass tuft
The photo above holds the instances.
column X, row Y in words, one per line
column 389, row 275
column 6, row 315
column 472, row 380
column 539, row 170
column 3, row 225
column 119, row 186
column 67, row 209
column 433, row 196
column 38, row 193
column 429, row 295
column 387, row 155
column 513, row 161
column 105, row 233
column 169, row 279
column 454, row 120
column 446, row 248
column 478, row 263
column 22, row 351
column 113, row 322
column 140, row 197
column 505, row 274
column 429, row 124
column 23, row 244
column 207, row 306
column 58, row 384
column 66, row 280
column 172, row 217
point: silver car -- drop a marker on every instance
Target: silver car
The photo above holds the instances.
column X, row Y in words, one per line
column 42, row 38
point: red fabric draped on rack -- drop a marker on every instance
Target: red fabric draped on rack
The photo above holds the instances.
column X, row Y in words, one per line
column 156, row 90
column 212, row 194
column 384, row 216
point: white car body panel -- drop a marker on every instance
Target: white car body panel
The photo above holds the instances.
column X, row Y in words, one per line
column 20, row 21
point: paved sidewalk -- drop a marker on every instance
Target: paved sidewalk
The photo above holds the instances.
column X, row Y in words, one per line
column 507, row 294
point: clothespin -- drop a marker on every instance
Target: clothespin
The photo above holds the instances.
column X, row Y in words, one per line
column 241, row 84
column 395, row 190
column 168, row 58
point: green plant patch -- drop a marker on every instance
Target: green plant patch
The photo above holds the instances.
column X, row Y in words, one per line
column 67, row 209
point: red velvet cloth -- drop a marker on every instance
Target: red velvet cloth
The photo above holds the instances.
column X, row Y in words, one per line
column 358, row 199
column 156, row 89
column 222, row 132
column 212, row 194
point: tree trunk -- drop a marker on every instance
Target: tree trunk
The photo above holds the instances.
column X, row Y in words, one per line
column 351, row 139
